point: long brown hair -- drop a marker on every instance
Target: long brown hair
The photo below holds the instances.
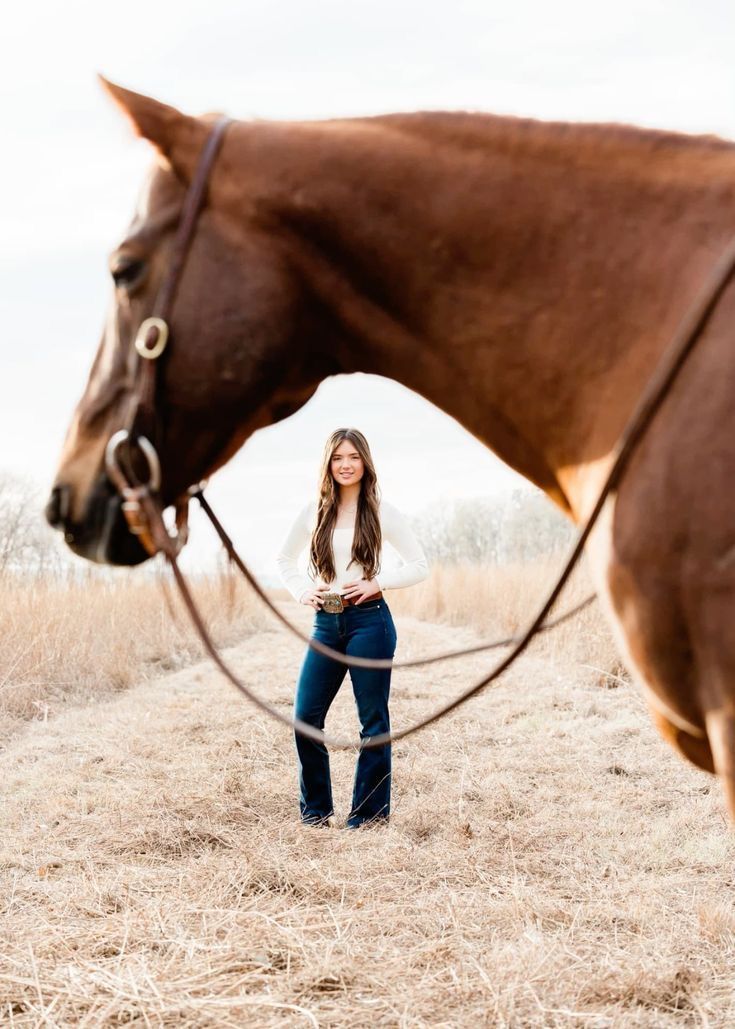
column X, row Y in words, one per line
column 368, row 538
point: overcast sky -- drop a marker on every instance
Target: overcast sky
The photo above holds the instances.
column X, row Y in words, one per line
column 71, row 171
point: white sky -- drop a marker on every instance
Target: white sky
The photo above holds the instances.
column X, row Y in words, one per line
column 71, row 171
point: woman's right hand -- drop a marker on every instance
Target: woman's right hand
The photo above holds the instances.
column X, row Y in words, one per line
column 314, row 598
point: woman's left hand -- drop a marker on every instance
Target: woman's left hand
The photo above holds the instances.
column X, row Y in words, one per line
column 360, row 589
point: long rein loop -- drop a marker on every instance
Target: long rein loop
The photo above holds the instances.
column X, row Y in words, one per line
column 673, row 360
column 354, row 661
column 145, row 517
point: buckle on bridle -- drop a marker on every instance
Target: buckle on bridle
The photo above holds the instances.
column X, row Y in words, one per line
column 333, row 604
column 150, row 351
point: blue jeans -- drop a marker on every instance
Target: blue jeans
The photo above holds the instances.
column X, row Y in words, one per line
column 363, row 630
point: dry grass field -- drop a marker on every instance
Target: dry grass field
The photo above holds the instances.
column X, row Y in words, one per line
column 549, row 861
column 73, row 641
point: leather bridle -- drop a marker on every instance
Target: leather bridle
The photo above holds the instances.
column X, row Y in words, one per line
column 140, row 428
column 144, row 514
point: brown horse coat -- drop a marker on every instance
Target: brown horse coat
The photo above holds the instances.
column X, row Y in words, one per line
column 524, row 277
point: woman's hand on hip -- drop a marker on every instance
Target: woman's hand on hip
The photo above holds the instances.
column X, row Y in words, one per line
column 361, row 589
column 314, row 598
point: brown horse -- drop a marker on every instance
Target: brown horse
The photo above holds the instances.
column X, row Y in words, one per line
column 524, row 277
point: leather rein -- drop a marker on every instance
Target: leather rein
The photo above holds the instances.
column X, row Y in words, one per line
column 143, row 509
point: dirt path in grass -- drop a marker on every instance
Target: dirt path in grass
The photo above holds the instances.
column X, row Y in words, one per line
column 549, row 861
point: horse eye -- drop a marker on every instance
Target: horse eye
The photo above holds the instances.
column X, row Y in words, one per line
column 126, row 272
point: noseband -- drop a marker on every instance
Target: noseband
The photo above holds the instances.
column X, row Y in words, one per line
column 144, row 514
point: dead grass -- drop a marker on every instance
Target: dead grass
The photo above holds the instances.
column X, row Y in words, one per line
column 500, row 601
column 549, row 861
column 77, row 641
column 73, row 641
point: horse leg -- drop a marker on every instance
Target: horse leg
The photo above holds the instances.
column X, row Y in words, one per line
column 715, row 648
column 651, row 634
column 692, row 701
column 694, row 748
column 721, row 733
column 655, row 639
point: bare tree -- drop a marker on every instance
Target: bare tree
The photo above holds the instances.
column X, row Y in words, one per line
column 519, row 526
column 27, row 544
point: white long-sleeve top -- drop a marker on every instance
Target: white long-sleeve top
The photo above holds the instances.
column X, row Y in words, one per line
column 395, row 530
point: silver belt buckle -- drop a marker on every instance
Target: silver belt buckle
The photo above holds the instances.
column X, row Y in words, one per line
column 333, row 603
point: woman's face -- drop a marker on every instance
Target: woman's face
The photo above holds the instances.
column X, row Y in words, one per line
column 347, row 465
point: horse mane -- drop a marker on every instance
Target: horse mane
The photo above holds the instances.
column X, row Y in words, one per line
column 469, row 129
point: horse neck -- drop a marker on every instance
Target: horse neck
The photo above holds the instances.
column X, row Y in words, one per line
column 522, row 276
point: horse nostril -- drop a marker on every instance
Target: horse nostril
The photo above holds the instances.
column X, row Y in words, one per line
column 58, row 507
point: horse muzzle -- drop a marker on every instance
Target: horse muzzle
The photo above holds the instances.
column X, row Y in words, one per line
column 102, row 535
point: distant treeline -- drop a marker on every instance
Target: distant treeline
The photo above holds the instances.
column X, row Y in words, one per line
column 508, row 528
column 511, row 527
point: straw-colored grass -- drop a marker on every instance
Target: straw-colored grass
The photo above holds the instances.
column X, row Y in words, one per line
column 500, row 601
column 549, row 861
column 69, row 641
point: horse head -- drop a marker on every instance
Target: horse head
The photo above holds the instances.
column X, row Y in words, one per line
column 244, row 346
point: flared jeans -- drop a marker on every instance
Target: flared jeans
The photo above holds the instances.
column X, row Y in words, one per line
column 362, row 630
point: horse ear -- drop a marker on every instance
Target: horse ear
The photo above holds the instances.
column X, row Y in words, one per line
column 177, row 137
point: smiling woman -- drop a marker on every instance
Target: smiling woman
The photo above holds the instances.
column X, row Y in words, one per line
column 344, row 530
